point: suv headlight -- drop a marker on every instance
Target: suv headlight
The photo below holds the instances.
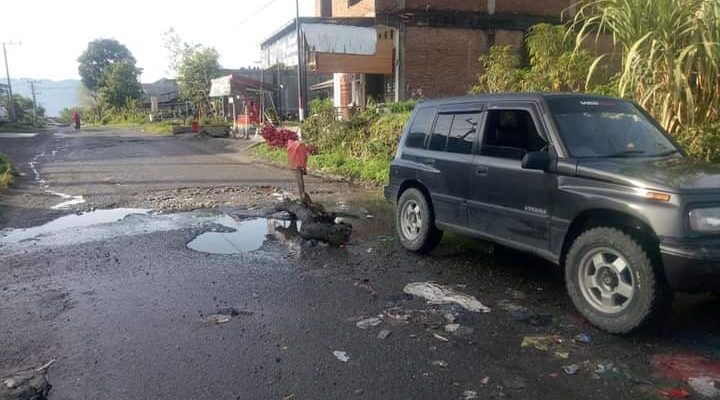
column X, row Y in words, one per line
column 705, row 220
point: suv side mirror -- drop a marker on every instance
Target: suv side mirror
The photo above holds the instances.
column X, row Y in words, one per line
column 537, row 160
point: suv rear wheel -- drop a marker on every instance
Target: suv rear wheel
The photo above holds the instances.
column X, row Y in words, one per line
column 612, row 282
column 415, row 222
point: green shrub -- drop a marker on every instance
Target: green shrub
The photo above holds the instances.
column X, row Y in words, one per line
column 702, row 142
column 6, row 176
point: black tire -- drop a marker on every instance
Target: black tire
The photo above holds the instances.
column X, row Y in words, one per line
column 651, row 296
column 428, row 235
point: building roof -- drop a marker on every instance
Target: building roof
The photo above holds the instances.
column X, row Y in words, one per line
column 290, row 26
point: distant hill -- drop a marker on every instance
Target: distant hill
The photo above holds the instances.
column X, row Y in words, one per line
column 53, row 95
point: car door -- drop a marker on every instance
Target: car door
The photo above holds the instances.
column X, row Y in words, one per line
column 507, row 202
column 448, row 161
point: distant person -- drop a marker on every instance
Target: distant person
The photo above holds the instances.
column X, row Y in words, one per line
column 76, row 119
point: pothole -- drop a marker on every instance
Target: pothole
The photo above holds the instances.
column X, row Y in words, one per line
column 244, row 235
column 80, row 220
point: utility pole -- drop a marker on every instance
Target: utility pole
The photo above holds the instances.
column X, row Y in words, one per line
column 32, row 89
column 11, row 103
column 301, row 65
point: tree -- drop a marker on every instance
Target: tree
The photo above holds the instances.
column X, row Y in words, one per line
column 670, row 54
column 99, row 55
column 197, row 67
column 118, row 86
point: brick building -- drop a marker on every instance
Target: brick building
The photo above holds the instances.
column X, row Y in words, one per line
column 434, row 44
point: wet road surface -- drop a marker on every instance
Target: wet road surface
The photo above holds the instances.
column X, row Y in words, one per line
column 168, row 299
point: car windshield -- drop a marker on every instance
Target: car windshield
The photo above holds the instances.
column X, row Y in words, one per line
column 607, row 128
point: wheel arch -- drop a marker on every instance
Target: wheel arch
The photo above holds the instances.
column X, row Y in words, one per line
column 604, row 217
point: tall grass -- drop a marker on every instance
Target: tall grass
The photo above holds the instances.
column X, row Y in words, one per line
column 670, row 54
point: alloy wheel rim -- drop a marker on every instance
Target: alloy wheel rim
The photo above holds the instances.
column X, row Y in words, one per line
column 411, row 220
column 606, row 280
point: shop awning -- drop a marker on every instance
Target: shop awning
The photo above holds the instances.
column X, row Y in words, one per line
column 231, row 85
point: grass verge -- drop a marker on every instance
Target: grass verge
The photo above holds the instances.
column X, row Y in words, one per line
column 156, row 128
column 371, row 170
column 10, row 127
column 6, row 175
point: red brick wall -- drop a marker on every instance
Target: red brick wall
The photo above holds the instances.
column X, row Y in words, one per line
column 531, row 7
column 363, row 8
column 442, row 61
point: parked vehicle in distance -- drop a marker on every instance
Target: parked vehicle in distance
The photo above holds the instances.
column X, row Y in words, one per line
column 4, row 116
column 590, row 183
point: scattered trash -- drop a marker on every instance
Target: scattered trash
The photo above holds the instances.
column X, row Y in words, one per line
column 29, row 384
column 511, row 307
column 449, row 317
column 608, row 370
column 682, row 367
column 484, row 381
column 583, row 338
column 676, row 393
column 440, row 337
column 370, row 250
column 437, row 294
column 452, row 328
column 542, row 343
column 368, row 323
column 705, row 386
column 571, row 369
column 366, row 287
column 563, row 354
column 440, row 363
column 341, row 355
column 398, row 314
column 470, row 395
column 514, row 383
column 289, row 397
column 217, row 319
column 384, row 334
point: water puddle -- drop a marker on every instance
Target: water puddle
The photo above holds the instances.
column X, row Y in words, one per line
column 246, row 236
column 17, row 135
column 81, row 220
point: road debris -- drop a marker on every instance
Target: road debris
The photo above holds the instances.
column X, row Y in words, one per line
column 452, row 328
column 542, row 343
column 341, row 355
column 484, row 381
column 366, row 287
column 440, row 363
column 571, row 369
column 440, row 337
column 29, row 384
column 384, row 334
column 583, row 338
column 217, row 319
column 675, row 393
column 438, row 294
column 682, row 367
column 563, row 354
column 470, row 395
column 705, row 386
column 368, row 323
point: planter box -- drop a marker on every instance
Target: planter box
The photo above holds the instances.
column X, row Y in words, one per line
column 216, row 130
column 176, row 130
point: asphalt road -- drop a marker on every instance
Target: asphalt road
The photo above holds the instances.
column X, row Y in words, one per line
column 128, row 311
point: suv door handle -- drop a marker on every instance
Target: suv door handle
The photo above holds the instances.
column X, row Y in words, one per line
column 428, row 161
column 482, row 170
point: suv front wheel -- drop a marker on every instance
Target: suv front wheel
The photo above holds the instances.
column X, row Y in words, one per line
column 612, row 281
column 415, row 222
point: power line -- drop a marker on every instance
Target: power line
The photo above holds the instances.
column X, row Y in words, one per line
column 258, row 11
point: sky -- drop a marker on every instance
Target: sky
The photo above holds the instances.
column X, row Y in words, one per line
column 54, row 33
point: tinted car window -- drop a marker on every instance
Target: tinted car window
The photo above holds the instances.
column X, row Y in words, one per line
column 463, row 133
column 607, row 128
column 511, row 134
column 420, row 128
column 440, row 132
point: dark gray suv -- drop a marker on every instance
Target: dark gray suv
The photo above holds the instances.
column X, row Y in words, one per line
column 590, row 183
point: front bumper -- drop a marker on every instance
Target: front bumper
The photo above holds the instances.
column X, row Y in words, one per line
column 692, row 264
